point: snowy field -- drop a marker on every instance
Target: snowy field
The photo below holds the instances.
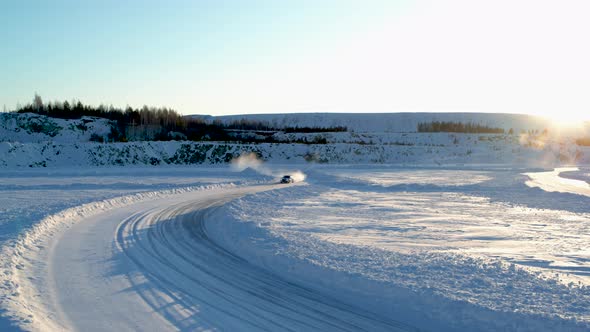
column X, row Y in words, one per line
column 349, row 248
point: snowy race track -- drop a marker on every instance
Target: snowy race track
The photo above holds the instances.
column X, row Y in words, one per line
column 152, row 266
column 351, row 249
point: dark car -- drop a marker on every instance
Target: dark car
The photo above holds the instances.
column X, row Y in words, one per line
column 287, row 179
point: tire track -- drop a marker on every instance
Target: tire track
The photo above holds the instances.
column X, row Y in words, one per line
column 206, row 286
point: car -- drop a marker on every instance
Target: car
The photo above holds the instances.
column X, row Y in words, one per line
column 287, row 179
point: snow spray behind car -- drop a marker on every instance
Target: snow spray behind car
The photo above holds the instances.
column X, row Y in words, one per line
column 251, row 160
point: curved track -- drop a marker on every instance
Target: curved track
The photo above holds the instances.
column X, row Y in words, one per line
column 152, row 266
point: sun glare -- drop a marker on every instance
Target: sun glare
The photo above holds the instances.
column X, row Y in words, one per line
column 568, row 121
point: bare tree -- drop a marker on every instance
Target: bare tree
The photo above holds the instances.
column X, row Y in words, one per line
column 37, row 102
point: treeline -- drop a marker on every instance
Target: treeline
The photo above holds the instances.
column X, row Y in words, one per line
column 314, row 129
column 457, row 127
column 253, row 125
column 75, row 110
column 159, row 123
column 164, row 119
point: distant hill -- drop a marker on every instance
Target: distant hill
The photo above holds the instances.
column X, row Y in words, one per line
column 387, row 122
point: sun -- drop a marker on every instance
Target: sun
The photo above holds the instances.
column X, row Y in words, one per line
column 569, row 121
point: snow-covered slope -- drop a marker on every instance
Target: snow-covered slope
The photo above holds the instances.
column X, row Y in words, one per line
column 430, row 150
column 29, row 140
column 34, row 128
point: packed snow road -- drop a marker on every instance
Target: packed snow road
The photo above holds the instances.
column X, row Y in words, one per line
column 152, row 266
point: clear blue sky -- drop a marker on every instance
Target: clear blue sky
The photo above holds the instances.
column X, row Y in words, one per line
column 228, row 57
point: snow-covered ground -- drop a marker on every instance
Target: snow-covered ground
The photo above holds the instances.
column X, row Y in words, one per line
column 30, row 140
column 350, row 248
column 465, row 249
column 427, row 149
column 386, row 228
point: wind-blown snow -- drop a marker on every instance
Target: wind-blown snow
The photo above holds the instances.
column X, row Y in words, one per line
column 251, row 161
